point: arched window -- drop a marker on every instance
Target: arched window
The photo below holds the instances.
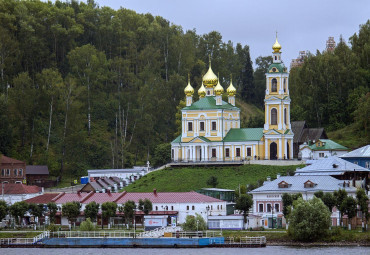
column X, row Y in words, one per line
column 284, row 85
column 285, row 116
column 273, row 116
column 274, row 85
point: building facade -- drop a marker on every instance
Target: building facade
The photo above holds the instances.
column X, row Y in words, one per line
column 322, row 148
column 360, row 156
column 12, row 170
column 211, row 127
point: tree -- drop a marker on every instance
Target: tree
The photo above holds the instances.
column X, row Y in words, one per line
column 71, row 210
column 288, row 200
column 363, row 202
column 194, row 223
column 87, row 225
column 17, row 210
column 52, row 208
column 212, row 181
column 349, row 207
column 4, row 209
column 162, row 154
column 91, row 210
column 329, row 200
column 309, row 221
column 129, row 209
column 37, row 210
column 340, row 195
column 145, row 205
column 242, row 190
column 319, row 194
column 244, row 204
column 108, row 210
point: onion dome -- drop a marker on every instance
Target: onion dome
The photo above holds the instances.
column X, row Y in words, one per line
column 231, row 90
column 276, row 47
column 189, row 91
column 210, row 79
column 219, row 89
column 202, row 91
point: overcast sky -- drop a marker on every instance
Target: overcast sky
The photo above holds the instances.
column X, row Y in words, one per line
column 301, row 25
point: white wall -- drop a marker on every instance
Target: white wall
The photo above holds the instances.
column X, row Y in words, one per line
column 11, row 199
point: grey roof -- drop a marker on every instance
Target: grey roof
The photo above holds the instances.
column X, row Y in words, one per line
column 37, row 170
column 296, row 184
column 96, row 186
column 363, row 152
column 330, row 166
column 297, row 128
column 216, row 189
column 129, row 170
column 304, row 134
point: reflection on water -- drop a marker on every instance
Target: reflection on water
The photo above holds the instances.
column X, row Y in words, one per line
column 271, row 250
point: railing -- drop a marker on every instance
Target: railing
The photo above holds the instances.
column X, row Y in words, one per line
column 92, row 234
column 16, row 241
column 257, row 240
column 41, row 236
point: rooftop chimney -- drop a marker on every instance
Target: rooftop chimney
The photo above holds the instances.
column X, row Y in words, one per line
column 155, row 191
column 277, row 176
column 268, row 178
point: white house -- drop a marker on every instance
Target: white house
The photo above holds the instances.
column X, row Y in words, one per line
column 128, row 175
column 319, row 149
column 16, row 192
column 173, row 204
column 267, row 199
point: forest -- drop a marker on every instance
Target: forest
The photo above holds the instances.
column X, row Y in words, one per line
column 87, row 87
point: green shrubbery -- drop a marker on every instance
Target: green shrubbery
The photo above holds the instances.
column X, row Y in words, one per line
column 87, row 225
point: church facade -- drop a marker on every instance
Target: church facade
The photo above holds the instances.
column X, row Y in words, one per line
column 211, row 127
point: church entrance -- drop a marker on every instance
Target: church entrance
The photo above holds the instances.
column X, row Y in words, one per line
column 287, row 150
column 273, row 151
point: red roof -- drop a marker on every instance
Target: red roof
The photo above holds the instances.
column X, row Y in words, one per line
column 42, row 199
column 120, row 198
column 18, row 188
column 7, row 160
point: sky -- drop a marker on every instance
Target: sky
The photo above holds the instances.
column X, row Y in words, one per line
column 301, row 25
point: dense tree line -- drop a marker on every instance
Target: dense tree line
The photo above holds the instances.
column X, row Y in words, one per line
column 84, row 86
column 331, row 89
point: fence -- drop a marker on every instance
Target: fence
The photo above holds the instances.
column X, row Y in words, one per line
column 93, row 234
column 16, row 241
column 258, row 240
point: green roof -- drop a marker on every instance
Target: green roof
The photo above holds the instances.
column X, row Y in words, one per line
column 244, row 134
column 177, row 139
column 328, row 145
column 279, row 66
column 208, row 103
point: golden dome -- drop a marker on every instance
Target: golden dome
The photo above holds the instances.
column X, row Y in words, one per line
column 219, row 89
column 276, row 47
column 202, row 91
column 231, row 90
column 210, row 79
column 189, row 91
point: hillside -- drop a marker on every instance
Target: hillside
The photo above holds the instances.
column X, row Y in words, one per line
column 349, row 137
column 192, row 178
column 248, row 110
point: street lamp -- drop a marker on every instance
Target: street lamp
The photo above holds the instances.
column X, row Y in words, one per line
column 272, row 218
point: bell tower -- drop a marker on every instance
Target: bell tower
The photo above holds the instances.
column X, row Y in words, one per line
column 277, row 128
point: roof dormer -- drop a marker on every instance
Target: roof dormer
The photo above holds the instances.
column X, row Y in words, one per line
column 309, row 184
column 284, row 185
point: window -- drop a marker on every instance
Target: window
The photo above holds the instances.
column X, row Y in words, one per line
column 193, row 207
column 20, row 172
column 15, row 172
column 211, row 207
column 156, row 208
column 249, row 151
column 221, row 207
column 321, row 155
column 201, row 126
column 274, row 85
column 277, row 208
column 260, row 207
column 172, row 153
column 218, row 207
column 285, row 116
column 273, row 116
column 283, row 185
column 268, row 207
column 213, row 153
column 309, row 184
column 7, row 172
column 284, row 85
column 238, row 152
column 2, row 172
column 214, row 128
column 227, row 152
column 355, row 162
column 190, row 126
column 187, row 208
column 367, row 165
column 208, row 93
column 172, row 208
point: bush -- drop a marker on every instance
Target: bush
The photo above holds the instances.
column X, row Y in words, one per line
column 87, row 225
column 53, row 228
column 309, row 220
column 191, row 223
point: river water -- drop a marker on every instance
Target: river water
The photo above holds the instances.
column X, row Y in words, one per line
column 270, row 250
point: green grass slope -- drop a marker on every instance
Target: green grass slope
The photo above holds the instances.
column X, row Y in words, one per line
column 349, row 137
column 194, row 178
column 248, row 110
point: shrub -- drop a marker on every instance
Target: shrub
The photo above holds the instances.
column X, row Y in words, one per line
column 191, row 223
column 87, row 225
column 53, row 228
